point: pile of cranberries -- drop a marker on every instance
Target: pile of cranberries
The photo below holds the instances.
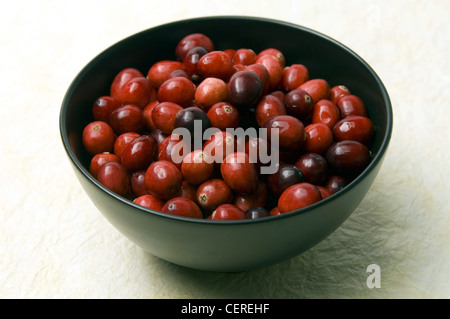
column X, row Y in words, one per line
column 323, row 134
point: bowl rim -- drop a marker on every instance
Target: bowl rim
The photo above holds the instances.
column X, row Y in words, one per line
column 306, row 210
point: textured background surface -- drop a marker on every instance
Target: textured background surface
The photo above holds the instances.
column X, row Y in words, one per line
column 55, row 244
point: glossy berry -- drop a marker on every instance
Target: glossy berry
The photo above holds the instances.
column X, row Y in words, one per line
column 286, row 176
column 216, row 64
column 351, row 105
column 239, row 174
column 257, row 198
column 318, row 139
column 99, row 159
column 317, row 88
column 354, row 127
column 147, row 113
column 191, row 41
column 195, row 120
column 244, row 89
column 197, row 167
column 190, row 62
column 348, row 157
column 137, row 183
column 267, row 108
column 294, row 76
column 220, row 145
column 173, row 149
column 299, row 104
column 98, row 137
column 159, row 72
column 163, row 116
column 177, row 90
column 122, row 78
column 263, row 74
column 325, row 112
column 103, row 107
column 139, row 153
column 182, row 206
column 274, row 67
column 314, row 168
column 137, row 91
column 291, row 131
column 338, row 91
column 188, row 190
column 114, row 177
column 298, row 196
column 228, row 212
column 163, row 179
column 150, row 201
column 123, row 140
column 276, row 53
column 213, row 193
column 223, row 115
column 209, row 92
column 335, row 183
column 244, row 56
column 127, row 118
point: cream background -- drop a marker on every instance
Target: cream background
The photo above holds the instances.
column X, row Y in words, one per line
column 55, row 244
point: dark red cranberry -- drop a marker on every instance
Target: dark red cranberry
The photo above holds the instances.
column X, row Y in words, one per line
column 191, row 41
column 139, row 153
column 299, row 104
column 314, row 168
column 127, row 118
column 286, row 176
column 163, row 179
column 177, row 90
column 244, row 89
column 114, row 177
column 190, row 118
column 99, row 159
column 103, row 107
column 190, row 62
column 137, row 183
column 348, row 157
column 294, row 76
column 351, row 104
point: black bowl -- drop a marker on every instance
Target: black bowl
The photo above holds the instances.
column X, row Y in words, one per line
column 227, row 246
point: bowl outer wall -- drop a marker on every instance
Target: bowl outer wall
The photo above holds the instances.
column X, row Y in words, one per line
column 226, row 246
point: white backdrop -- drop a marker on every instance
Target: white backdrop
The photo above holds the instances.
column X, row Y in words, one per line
column 55, row 244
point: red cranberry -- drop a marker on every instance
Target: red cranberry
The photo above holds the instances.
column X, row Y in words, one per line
column 159, row 72
column 325, row 112
column 318, row 138
column 290, row 130
column 276, row 53
column 127, row 118
column 314, row 167
column 99, row 159
column 188, row 191
column 139, row 153
column 114, row 177
column 137, row 91
column 137, row 183
column 122, row 78
column 286, row 176
column 173, row 149
column 182, row 206
column 190, row 62
column 103, row 107
column 275, row 68
column 228, row 212
column 197, row 167
column 257, row 198
column 338, row 91
column 220, row 145
column 335, row 183
column 177, row 90
column 244, row 56
column 267, row 108
column 317, row 88
column 263, row 75
column 123, row 140
column 98, row 137
column 147, row 112
column 354, row 127
column 216, row 64
column 294, row 76
column 223, row 115
column 191, row 41
column 164, row 114
column 299, row 104
column 150, row 201
column 323, row 191
column 244, row 89
column 348, row 157
column 213, row 193
column 239, row 174
column 298, row 196
column 209, row 92
column 163, row 179
column 351, row 104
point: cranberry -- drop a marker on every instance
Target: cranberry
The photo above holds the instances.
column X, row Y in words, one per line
column 239, row 174
column 159, row 136
column 317, row 88
column 122, row 78
column 256, row 213
column 323, row 191
column 139, row 153
column 274, row 211
column 99, row 159
column 223, row 115
column 351, row 105
column 335, row 183
column 159, row 72
column 326, row 112
column 164, row 114
column 173, row 149
column 299, row 104
column 150, row 201
column 191, row 117
column 255, row 147
column 178, row 90
column 348, row 157
column 216, row 64
column 263, row 75
column 244, row 89
column 257, row 198
column 147, row 112
column 137, row 183
column 276, row 53
column 137, row 91
column 191, row 41
column 294, row 76
column 318, row 138
column 228, row 212
column 114, row 177
column 182, row 206
column 127, row 118
column 338, row 91
column 122, row 141
column 286, row 176
column 354, row 127
column 279, row 95
column 291, row 131
column 213, row 193
column 274, row 67
column 103, row 107
column 314, row 167
column 244, row 56
column 163, row 179
column 197, row 167
column 220, row 145
column 298, row 196
column 190, row 62
column 188, row 190
column 98, row 137
column 267, row 108
column 178, row 73
column 230, row 52
column 209, row 92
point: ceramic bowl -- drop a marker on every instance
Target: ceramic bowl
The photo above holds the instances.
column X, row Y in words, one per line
column 226, row 246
